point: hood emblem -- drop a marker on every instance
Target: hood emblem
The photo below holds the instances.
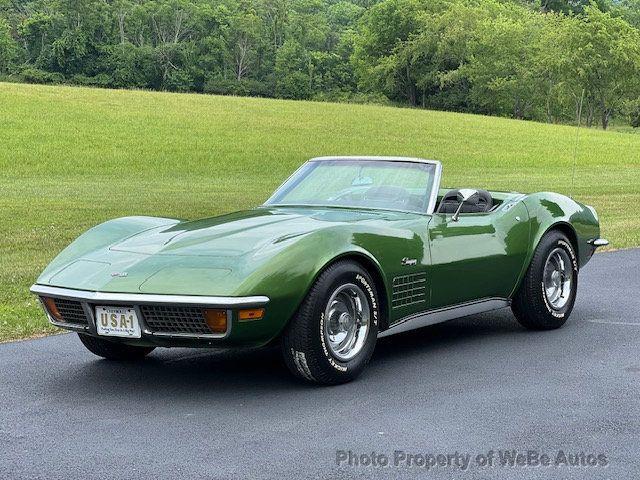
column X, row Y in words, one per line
column 119, row 274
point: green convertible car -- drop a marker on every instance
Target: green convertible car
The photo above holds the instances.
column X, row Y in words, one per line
column 347, row 250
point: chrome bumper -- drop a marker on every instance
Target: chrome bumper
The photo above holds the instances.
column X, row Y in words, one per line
column 598, row 242
column 89, row 299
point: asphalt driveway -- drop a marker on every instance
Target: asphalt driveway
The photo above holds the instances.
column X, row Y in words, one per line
column 461, row 389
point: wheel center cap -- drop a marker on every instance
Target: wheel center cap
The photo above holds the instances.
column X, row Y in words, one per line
column 344, row 321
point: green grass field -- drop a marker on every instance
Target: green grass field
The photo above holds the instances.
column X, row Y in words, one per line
column 72, row 157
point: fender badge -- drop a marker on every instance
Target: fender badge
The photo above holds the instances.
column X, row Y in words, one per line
column 408, row 261
column 119, row 274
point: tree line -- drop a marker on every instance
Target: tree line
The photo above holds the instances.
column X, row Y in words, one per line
column 526, row 59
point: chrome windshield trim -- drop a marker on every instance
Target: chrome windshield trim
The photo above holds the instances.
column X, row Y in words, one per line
column 374, row 157
column 433, row 199
column 341, row 207
column 146, row 298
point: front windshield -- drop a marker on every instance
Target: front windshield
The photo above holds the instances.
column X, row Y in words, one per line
column 382, row 184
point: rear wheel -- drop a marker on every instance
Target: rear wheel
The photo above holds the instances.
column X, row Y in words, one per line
column 548, row 291
column 333, row 335
column 113, row 350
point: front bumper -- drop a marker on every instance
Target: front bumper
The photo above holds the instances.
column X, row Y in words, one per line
column 82, row 303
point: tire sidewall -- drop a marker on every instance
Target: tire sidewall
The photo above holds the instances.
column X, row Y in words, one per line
column 342, row 276
column 553, row 242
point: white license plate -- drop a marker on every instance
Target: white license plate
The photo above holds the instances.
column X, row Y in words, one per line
column 117, row 322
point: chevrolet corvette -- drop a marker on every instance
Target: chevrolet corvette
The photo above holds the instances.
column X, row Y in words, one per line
column 347, row 250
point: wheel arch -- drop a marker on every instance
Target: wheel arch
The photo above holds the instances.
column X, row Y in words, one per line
column 568, row 230
column 373, row 268
column 562, row 226
column 366, row 261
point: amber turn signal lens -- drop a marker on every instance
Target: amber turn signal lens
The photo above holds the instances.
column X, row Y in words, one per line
column 50, row 305
column 216, row 320
column 250, row 314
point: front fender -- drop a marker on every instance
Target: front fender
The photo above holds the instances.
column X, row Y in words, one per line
column 101, row 236
column 287, row 277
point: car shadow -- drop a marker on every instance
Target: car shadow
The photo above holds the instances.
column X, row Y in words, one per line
column 180, row 372
column 446, row 335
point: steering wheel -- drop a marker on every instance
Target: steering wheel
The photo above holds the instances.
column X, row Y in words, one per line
column 347, row 193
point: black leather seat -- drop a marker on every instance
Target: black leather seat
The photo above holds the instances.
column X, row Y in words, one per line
column 479, row 203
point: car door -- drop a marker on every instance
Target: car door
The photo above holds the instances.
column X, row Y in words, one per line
column 478, row 256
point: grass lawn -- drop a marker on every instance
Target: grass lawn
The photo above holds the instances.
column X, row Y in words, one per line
column 73, row 157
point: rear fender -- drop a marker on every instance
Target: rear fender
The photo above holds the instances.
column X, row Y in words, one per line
column 548, row 211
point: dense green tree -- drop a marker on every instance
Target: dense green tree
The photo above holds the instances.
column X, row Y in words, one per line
column 8, row 47
column 380, row 57
column 530, row 59
column 607, row 65
column 293, row 71
column 500, row 69
column 629, row 10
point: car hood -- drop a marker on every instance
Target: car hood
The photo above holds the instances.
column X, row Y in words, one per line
column 232, row 235
column 213, row 256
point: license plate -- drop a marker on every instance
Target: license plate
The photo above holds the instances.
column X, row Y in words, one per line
column 117, row 322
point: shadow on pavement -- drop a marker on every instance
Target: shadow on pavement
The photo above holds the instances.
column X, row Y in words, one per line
column 181, row 372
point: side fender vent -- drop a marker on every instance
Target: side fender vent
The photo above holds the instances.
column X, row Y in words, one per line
column 409, row 290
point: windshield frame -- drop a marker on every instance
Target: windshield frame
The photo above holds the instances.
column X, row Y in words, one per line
column 430, row 205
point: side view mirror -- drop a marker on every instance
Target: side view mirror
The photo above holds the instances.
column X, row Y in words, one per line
column 464, row 195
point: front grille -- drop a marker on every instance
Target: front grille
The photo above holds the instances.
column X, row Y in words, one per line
column 409, row 289
column 170, row 319
column 71, row 311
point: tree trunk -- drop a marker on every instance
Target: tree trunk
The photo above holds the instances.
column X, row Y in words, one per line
column 177, row 29
column 518, row 109
column 121, row 17
column 242, row 49
column 411, row 89
column 590, row 115
column 606, row 116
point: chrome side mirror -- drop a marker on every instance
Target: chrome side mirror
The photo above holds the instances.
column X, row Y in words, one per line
column 464, row 195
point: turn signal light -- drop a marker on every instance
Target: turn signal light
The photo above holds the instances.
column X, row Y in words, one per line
column 250, row 314
column 216, row 320
column 52, row 309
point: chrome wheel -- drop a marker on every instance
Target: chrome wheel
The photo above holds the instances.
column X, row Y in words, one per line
column 347, row 318
column 557, row 278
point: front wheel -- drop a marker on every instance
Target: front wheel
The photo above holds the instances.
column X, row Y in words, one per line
column 332, row 336
column 548, row 291
column 113, row 350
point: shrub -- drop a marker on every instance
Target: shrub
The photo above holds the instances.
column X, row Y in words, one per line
column 245, row 87
column 100, row 80
column 35, row 75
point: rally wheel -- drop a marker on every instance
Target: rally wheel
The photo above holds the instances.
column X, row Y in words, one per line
column 546, row 296
column 332, row 336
